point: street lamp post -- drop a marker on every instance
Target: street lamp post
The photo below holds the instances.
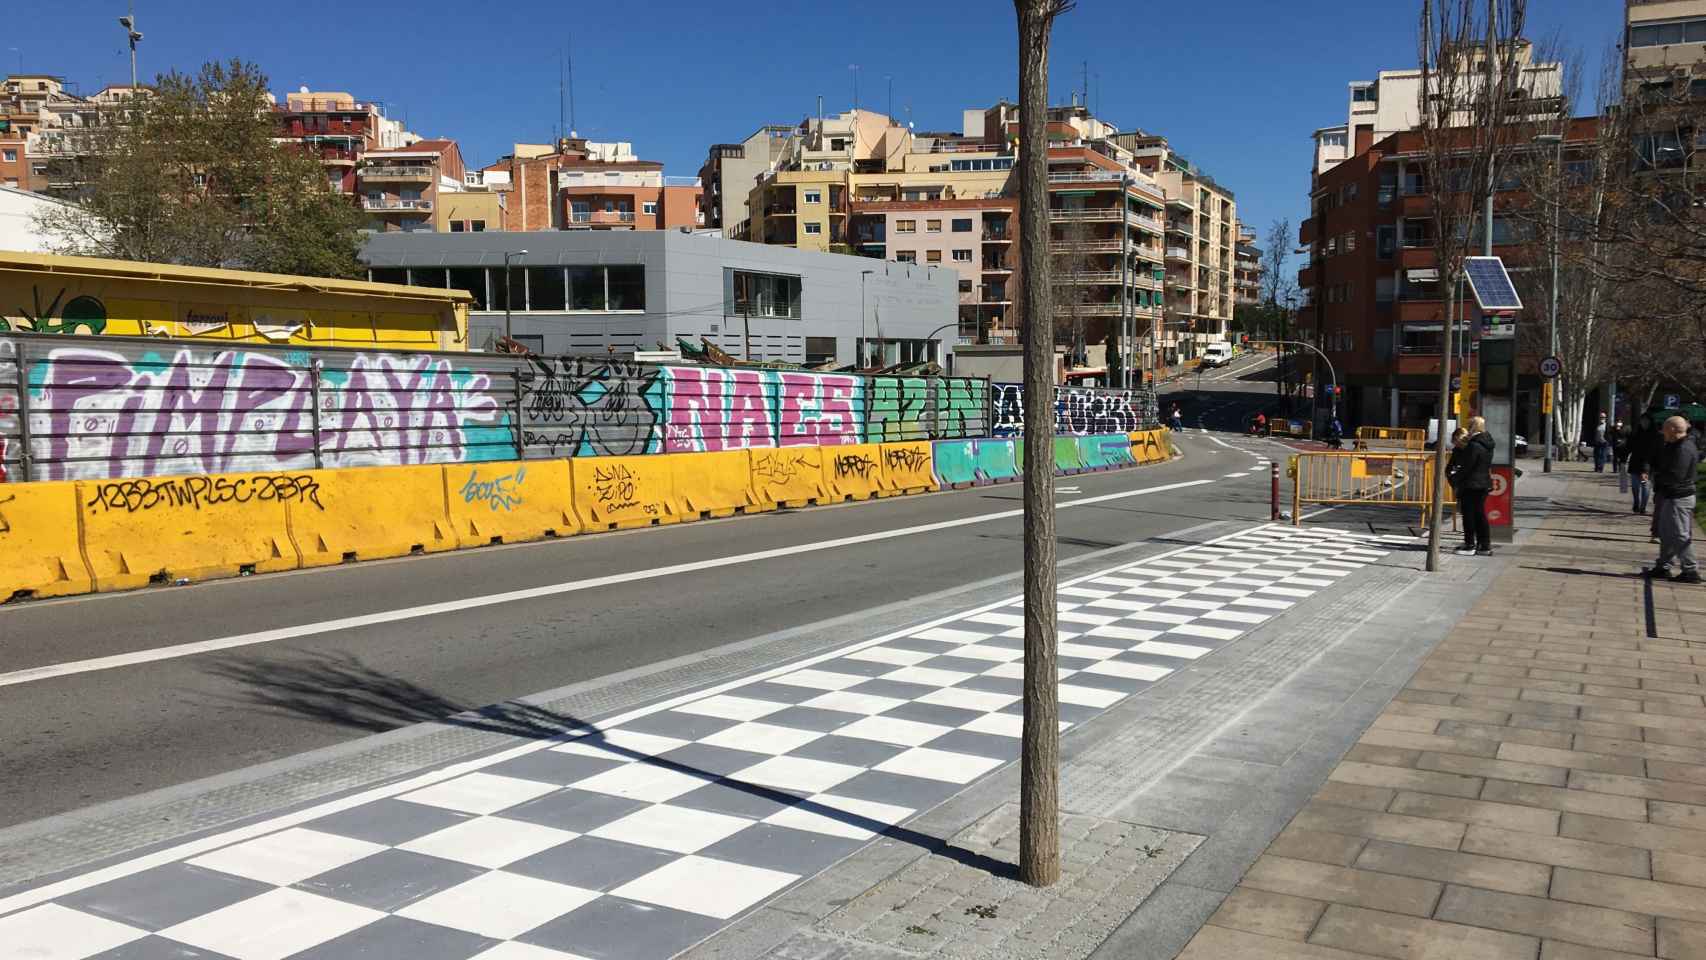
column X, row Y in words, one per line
column 864, row 338
column 1557, row 141
column 135, row 36
column 1333, row 374
column 509, row 293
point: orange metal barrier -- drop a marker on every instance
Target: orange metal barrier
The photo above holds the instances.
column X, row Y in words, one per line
column 1364, row 478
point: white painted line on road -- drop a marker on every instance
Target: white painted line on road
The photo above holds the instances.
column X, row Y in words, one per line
column 1232, row 476
column 532, row 593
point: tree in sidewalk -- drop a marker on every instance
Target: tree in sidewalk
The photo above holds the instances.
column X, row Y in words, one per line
column 1039, row 747
column 193, row 175
column 1469, row 63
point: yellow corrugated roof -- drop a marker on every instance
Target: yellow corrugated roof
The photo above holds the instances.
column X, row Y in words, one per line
column 139, row 270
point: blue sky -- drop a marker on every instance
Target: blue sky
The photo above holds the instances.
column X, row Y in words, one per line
column 1236, row 85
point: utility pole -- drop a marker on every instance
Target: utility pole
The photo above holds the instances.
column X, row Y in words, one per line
column 1125, row 282
column 1557, row 216
column 1039, row 746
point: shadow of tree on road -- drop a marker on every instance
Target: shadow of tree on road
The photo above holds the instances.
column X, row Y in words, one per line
column 340, row 689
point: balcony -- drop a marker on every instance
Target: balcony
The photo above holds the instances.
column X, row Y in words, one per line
column 1094, row 214
column 411, row 173
column 1108, row 308
column 1089, row 276
column 602, row 217
column 996, row 266
column 394, row 205
column 1002, row 235
column 1109, row 177
column 1083, row 246
column 338, row 158
column 1178, row 253
column 681, row 182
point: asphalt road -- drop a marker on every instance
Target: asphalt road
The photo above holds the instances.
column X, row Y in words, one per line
column 86, row 736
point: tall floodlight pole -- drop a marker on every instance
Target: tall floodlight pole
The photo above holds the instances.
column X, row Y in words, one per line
column 135, row 37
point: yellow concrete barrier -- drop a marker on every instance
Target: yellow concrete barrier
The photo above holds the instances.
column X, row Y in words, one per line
column 853, row 472
column 789, row 476
column 40, row 549
column 1152, row 446
column 908, row 468
column 715, row 484
column 368, row 513
column 510, row 501
column 614, row 492
column 139, row 530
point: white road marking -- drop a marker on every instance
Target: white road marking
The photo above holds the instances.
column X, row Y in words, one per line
column 175, row 651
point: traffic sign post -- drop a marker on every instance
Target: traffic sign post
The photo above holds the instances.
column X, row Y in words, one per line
column 1551, row 367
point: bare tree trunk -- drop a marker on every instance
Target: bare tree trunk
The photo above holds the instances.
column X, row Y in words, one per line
column 1039, row 754
column 1442, row 441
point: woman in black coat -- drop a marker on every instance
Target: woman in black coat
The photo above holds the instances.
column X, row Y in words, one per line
column 1474, row 480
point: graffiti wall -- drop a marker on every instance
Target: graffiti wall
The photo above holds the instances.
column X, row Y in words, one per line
column 109, row 407
column 577, row 406
column 1078, row 411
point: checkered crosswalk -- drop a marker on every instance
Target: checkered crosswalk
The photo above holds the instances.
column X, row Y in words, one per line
column 643, row 837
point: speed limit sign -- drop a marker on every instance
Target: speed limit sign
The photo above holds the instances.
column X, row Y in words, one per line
column 1551, row 367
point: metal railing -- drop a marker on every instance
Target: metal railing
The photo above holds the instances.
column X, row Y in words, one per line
column 681, row 182
column 1407, row 438
column 601, row 216
column 1178, row 253
column 1084, row 213
column 396, row 173
column 371, row 204
column 1362, row 478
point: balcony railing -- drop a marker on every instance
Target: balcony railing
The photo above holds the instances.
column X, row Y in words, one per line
column 681, row 182
column 996, row 266
column 392, row 204
column 1084, row 246
column 1105, row 176
column 997, row 236
column 601, row 216
column 1178, row 253
column 1110, row 308
column 397, row 173
column 1084, row 213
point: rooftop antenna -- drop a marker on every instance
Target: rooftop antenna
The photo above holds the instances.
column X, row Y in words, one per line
column 1086, row 65
column 562, row 96
column 890, row 78
column 855, row 68
column 569, row 57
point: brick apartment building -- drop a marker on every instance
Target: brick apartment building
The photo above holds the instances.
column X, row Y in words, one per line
column 578, row 184
column 339, row 130
column 1373, row 298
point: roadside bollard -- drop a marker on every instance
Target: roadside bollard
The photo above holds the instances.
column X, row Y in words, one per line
column 1275, row 515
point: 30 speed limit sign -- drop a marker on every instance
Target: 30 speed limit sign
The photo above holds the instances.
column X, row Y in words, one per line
column 1551, row 367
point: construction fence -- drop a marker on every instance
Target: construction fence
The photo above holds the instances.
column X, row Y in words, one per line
column 1395, row 479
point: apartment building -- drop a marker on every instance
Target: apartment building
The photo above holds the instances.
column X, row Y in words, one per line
column 1247, row 270
column 1202, row 223
column 1390, row 103
column 55, row 125
column 860, row 182
column 1665, row 39
column 578, row 184
column 339, row 130
column 1373, row 300
column 732, row 169
column 401, row 187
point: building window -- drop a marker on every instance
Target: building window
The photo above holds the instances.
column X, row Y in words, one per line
column 962, row 256
column 471, row 279
column 627, row 287
column 763, row 295
column 820, row 350
column 545, row 288
column 965, row 286
column 906, row 256
column 10, row 156
column 1385, row 241
column 812, row 226
column 814, row 196
column 932, row 226
column 962, row 225
column 457, row 226
column 477, row 226
column 932, row 256
column 649, row 208
column 1364, row 95
column 1663, row 34
column 906, row 226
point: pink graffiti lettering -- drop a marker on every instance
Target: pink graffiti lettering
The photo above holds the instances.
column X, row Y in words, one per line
column 818, row 409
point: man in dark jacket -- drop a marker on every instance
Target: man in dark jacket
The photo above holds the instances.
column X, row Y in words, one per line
column 1474, row 479
column 1675, row 469
column 1643, row 443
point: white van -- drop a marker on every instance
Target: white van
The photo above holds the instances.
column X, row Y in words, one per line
column 1218, row 354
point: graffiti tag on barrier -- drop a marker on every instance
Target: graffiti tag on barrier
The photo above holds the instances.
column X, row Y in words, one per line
column 904, row 458
column 780, row 469
column 143, row 494
column 617, row 487
column 498, row 493
column 592, row 407
column 854, row 465
column 5, row 527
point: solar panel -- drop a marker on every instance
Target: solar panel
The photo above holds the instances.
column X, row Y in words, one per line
column 1492, row 285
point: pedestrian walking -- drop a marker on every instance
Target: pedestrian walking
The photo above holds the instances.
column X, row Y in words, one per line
column 1619, row 446
column 1675, row 470
column 1177, row 419
column 1453, row 471
column 1474, row 480
column 1601, row 445
column 1643, row 443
